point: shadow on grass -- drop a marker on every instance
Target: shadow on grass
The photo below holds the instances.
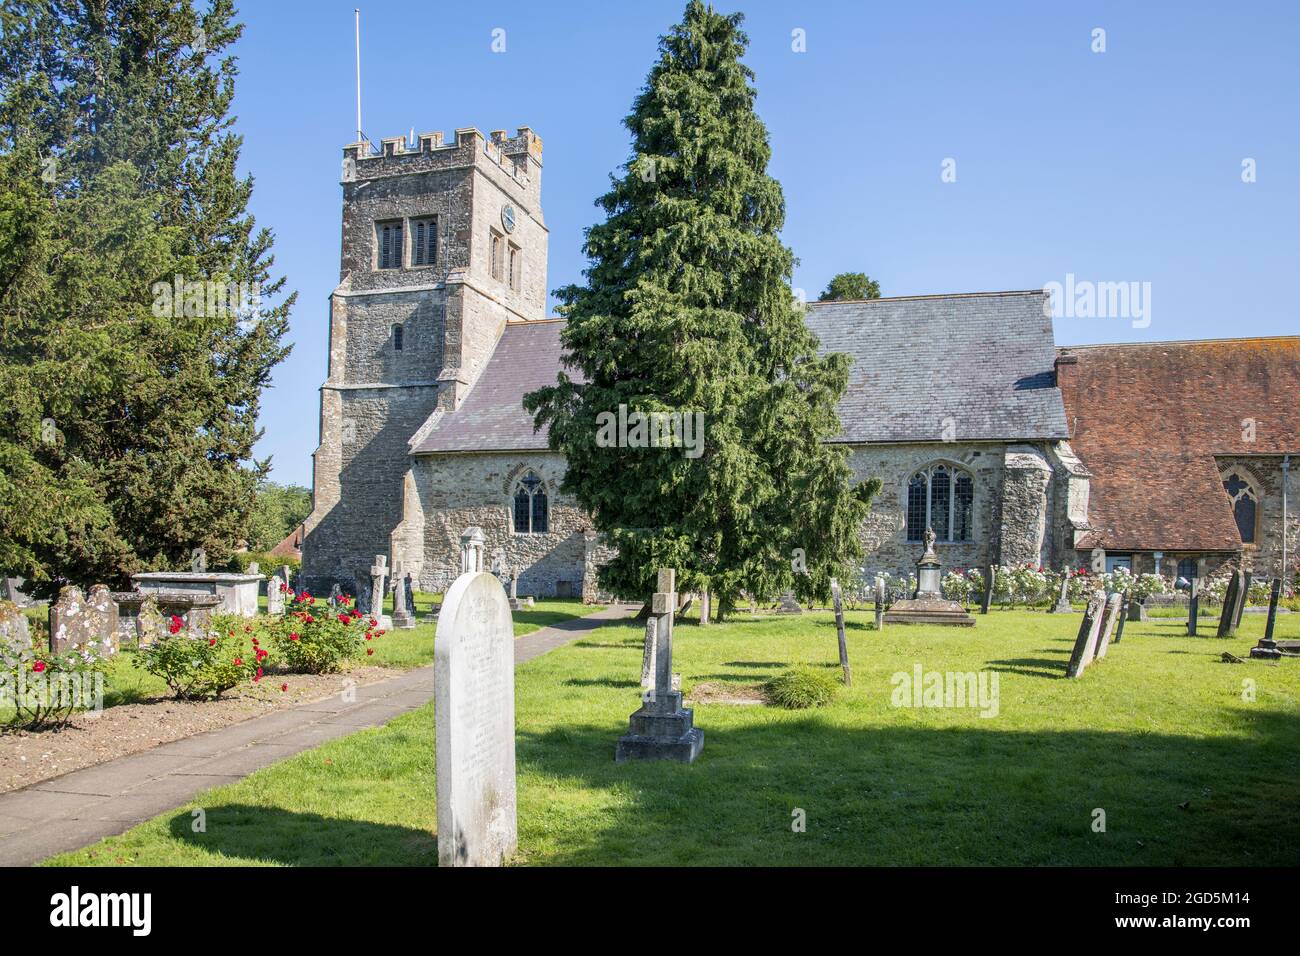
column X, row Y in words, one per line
column 927, row 796
column 1053, row 668
column 245, row 832
column 600, row 682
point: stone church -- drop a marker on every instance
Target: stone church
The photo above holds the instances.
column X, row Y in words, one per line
column 1012, row 450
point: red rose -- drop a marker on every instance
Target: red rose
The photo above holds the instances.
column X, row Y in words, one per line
column 344, row 619
column 212, row 642
column 369, row 636
column 239, row 662
column 373, row 622
column 259, row 674
column 293, row 637
column 369, row 651
column 284, row 687
column 38, row 666
column 175, row 624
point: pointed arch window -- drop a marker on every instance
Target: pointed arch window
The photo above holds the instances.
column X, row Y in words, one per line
column 531, row 509
column 941, row 497
column 1245, row 505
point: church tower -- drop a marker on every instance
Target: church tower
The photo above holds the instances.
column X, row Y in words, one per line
column 442, row 244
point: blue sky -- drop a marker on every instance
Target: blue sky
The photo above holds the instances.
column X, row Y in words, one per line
column 1122, row 166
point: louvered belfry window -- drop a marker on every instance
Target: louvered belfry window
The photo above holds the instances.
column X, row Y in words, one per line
column 390, row 244
column 424, row 242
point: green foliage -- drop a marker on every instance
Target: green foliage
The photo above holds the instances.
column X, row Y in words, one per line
column 267, row 562
column 802, row 687
column 128, row 430
column 850, row 285
column 313, row 638
column 277, row 510
column 687, row 309
column 45, row 689
column 199, row 664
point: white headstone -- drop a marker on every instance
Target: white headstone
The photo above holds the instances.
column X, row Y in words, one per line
column 474, row 713
column 274, row 596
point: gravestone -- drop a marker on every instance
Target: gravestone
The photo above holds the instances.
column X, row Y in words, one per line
column 1228, row 615
column 1242, row 599
column 838, row 600
column 1108, row 615
column 275, row 596
column 254, row 568
column 336, row 593
column 14, row 632
column 286, row 575
column 927, row 604
column 150, row 623
column 880, row 602
column 403, row 614
column 15, row 594
column 515, row 603
column 1267, row 648
column 662, row 729
column 81, row 623
column 706, row 608
column 378, row 571
column 471, row 550
column 1193, row 607
column 1062, row 605
column 648, row 655
column 474, row 713
column 103, row 615
column 987, row 599
column 1137, row 611
column 1123, row 617
column 789, row 605
column 1086, row 640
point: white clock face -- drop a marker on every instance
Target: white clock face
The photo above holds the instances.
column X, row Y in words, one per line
column 508, row 218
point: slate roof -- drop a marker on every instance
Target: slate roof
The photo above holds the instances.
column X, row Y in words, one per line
column 983, row 360
column 492, row 416
column 1148, row 420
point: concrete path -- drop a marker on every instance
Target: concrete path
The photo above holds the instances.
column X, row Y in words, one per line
column 84, row 806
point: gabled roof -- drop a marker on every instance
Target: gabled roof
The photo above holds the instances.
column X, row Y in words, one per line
column 492, row 416
column 1149, row 420
column 983, row 360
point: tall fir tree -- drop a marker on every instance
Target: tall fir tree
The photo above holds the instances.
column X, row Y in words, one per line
column 133, row 417
column 687, row 308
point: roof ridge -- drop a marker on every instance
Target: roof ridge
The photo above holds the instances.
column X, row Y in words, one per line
column 1236, row 338
column 929, row 295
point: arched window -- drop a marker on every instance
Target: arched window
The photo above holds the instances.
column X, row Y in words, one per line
column 397, row 338
column 531, row 512
column 941, row 497
column 1245, row 505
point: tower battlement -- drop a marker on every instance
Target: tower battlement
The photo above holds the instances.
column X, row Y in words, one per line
column 515, row 155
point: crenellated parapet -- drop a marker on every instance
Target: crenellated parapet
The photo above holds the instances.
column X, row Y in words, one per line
column 519, row 156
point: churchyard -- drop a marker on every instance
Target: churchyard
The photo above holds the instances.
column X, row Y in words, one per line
column 1160, row 753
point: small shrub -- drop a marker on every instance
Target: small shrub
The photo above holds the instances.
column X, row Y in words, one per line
column 203, row 664
column 45, row 688
column 801, row 688
column 317, row 640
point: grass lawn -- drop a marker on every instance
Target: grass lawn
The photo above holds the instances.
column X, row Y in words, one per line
column 126, row 682
column 1158, row 735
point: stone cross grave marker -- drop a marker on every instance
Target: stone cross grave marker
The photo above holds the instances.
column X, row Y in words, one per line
column 662, row 729
column 1108, row 615
column 1267, row 648
column 403, row 616
column 379, row 571
column 275, row 596
column 789, row 605
column 838, row 599
column 474, row 713
column 1086, row 640
column 1227, row 616
column 648, row 655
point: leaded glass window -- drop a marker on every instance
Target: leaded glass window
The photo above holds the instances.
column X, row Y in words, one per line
column 941, row 497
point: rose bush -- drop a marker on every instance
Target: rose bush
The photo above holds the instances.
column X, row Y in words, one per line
column 204, row 663
column 317, row 640
column 45, row 688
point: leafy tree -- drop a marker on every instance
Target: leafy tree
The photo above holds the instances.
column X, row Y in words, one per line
column 130, row 419
column 687, row 308
column 277, row 510
column 850, row 285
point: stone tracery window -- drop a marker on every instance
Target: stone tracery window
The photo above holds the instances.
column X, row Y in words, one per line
column 941, row 497
column 1245, row 505
column 531, row 511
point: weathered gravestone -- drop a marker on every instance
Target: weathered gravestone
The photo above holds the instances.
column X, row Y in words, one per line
column 275, row 596
column 838, row 600
column 1228, row 616
column 286, row 575
column 474, row 712
column 880, row 602
column 403, row 604
column 378, row 571
column 80, row 623
column 1062, row 605
column 1123, row 617
column 471, row 550
column 662, row 729
column 706, row 607
column 1137, row 611
column 789, row 605
column 1242, row 599
column 1086, row 640
column 151, row 623
column 1267, row 648
column 1108, row 615
column 14, row 592
column 14, row 633
column 987, row 599
column 648, row 654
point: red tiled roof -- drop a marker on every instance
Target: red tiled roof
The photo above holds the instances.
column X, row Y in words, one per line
column 1149, row 419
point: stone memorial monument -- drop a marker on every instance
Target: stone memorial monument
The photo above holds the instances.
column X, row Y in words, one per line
column 927, row 605
column 471, row 550
column 378, row 571
column 1085, row 642
column 403, row 601
column 880, row 602
column 1062, row 605
column 474, row 713
column 78, row 622
column 789, row 605
column 275, row 596
column 1231, row 597
column 236, row 593
column 1267, row 648
column 662, row 729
